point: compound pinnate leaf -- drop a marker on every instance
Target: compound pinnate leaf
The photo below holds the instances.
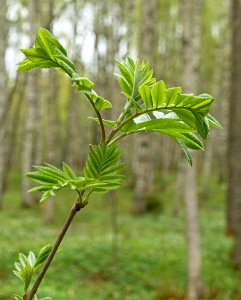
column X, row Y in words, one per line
column 132, row 74
column 47, row 52
column 102, row 165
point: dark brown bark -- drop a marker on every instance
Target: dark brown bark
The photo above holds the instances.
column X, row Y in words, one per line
column 234, row 136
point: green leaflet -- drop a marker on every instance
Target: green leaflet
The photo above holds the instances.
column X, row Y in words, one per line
column 131, row 75
column 42, row 256
column 47, row 52
column 110, row 123
column 102, row 165
column 213, row 122
column 185, row 149
column 28, row 65
column 165, row 125
column 189, row 109
column 82, row 82
column 100, row 102
column 68, row 171
column 24, row 268
column 170, row 112
column 160, row 98
column 28, row 265
column 52, row 179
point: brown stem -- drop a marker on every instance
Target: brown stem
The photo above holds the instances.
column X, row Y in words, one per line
column 78, row 205
column 102, row 127
column 115, row 130
column 136, row 114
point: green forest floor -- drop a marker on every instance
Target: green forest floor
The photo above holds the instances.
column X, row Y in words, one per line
column 150, row 262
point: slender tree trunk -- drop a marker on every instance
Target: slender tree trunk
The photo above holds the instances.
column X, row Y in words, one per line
column 178, row 197
column 234, row 137
column 53, row 152
column 193, row 233
column 207, row 166
column 15, row 124
column 190, row 11
column 143, row 165
column 31, row 114
column 3, row 97
column 75, row 106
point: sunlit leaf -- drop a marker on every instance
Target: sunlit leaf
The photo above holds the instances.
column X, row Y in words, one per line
column 102, row 165
column 132, row 74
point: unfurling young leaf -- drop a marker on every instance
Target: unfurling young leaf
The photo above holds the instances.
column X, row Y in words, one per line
column 42, row 256
column 28, row 265
column 47, row 52
column 131, row 75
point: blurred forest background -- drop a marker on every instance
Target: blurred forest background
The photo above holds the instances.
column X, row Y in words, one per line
column 172, row 232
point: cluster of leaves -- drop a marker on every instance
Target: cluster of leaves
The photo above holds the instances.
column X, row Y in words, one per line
column 150, row 106
column 153, row 107
column 131, row 75
column 102, row 165
column 27, row 266
column 101, row 174
column 47, row 52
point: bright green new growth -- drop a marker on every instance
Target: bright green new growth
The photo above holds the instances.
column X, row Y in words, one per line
column 28, row 265
column 101, row 174
column 150, row 106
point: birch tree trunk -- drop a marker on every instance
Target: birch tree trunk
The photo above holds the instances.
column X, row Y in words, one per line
column 53, row 145
column 3, row 96
column 143, row 164
column 234, row 135
column 53, row 151
column 31, row 113
column 75, row 106
column 190, row 45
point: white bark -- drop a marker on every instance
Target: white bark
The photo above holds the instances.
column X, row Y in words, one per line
column 143, row 154
column 3, row 97
column 31, row 122
column 53, row 125
column 190, row 22
column 53, row 134
column 193, row 240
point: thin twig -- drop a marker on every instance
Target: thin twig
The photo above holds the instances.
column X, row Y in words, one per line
column 78, row 205
column 117, row 138
column 102, row 127
column 115, row 130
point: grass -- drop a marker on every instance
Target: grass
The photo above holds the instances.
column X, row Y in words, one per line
column 150, row 263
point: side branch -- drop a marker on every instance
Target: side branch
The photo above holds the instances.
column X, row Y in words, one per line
column 118, row 128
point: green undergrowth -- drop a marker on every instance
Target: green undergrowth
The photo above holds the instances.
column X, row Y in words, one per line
column 149, row 262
